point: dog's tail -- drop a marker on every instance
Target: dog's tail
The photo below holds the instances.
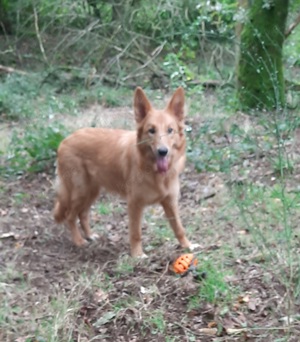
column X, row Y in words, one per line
column 60, row 207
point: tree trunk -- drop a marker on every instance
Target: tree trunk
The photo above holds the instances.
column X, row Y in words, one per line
column 260, row 70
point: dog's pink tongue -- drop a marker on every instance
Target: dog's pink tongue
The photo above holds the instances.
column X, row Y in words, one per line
column 162, row 164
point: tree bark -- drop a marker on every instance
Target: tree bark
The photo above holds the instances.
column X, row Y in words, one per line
column 260, row 78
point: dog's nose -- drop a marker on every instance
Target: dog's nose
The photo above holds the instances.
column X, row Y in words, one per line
column 162, row 151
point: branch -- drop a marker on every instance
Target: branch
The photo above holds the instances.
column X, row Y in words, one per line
column 38, row 35
column 292, row 26
column 11, row 70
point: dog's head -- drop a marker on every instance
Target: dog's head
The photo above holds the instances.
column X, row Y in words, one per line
column 160, row 133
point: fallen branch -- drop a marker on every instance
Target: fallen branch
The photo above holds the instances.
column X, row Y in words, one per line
column 11, row 70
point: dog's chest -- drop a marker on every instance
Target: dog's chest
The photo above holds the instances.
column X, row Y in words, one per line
column 153, row 191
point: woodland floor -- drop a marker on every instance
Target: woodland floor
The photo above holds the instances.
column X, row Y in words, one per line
column 53, row 291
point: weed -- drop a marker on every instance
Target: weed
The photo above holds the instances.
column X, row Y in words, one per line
column 125, row 265
column 104, row 208
column 213, row 288
column 155, row 322
column 20, row 197
column 285, row 165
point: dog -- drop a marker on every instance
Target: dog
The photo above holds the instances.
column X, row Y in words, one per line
column 143, row 166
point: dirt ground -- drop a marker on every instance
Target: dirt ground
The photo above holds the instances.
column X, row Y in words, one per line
column 53, row 291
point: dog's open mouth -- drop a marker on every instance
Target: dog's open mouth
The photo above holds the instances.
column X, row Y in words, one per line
column 162, row 164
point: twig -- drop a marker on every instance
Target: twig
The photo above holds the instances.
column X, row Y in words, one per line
column 156, row 52
column 164, row 272
column 38, row 35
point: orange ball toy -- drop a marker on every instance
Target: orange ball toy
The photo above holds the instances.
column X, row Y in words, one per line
column 184, row 263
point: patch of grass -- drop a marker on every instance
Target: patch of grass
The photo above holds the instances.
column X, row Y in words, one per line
column 24, row 97
column 125, row 265
column 161, row 232
column 155, row 322
column 20, row 197
column 104, row 208
column 213, row 287
column 285, row 165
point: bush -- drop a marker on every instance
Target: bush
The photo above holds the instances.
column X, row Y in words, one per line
column 34, row 150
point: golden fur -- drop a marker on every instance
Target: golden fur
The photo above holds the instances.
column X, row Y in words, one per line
column 142, row 166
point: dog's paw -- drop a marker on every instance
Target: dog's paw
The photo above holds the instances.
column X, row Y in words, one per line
column 139, row 256
column 143, row 256
column 194, row 246
column 92, row 237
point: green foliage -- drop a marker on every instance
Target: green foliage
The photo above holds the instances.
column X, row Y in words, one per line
column 16, row 96
column 213, row 288
column 178, row 71
column 117, row 37
column 206, row 157
column 34, row 150
column 24, row 97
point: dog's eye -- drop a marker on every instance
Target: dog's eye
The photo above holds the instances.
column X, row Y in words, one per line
column 151, row 130
column 170, row 130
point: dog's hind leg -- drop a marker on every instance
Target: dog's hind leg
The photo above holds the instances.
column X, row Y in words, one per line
column 84, row 216
column 74, row 229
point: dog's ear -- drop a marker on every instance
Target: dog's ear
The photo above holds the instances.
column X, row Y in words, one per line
column 141, row 105
column 176, row 104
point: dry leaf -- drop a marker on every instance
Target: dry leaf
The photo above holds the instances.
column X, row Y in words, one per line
column 18, row 245
column 114, row 237
column 209, row 331
column 9, row 235
column 100, row 296
column 3, row 212
column 212, row 324
column 252, row 304
column 244, row 299
column 104, row 319
column 235, row 331
column 243, row 232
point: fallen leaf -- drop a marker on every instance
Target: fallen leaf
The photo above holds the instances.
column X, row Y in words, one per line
column 18, row 245
column 252, row 304
column 9, row 235
column 236, row 306
column 244, row 299
column 114, row 237
column 100, row 296
column 243, row 232
column 235, row 331
column 150, row 290
column 212, row 324
column 287, row 320
column 3, row 212
column 108, row 316
column 24, row 210
column 209, row 331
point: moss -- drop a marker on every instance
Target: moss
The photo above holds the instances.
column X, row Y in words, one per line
column 260, row 69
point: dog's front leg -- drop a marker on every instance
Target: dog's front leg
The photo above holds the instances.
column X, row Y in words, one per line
column 135, row 212
column 170, row 205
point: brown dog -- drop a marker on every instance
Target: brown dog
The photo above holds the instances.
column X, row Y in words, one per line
column 143, row 166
